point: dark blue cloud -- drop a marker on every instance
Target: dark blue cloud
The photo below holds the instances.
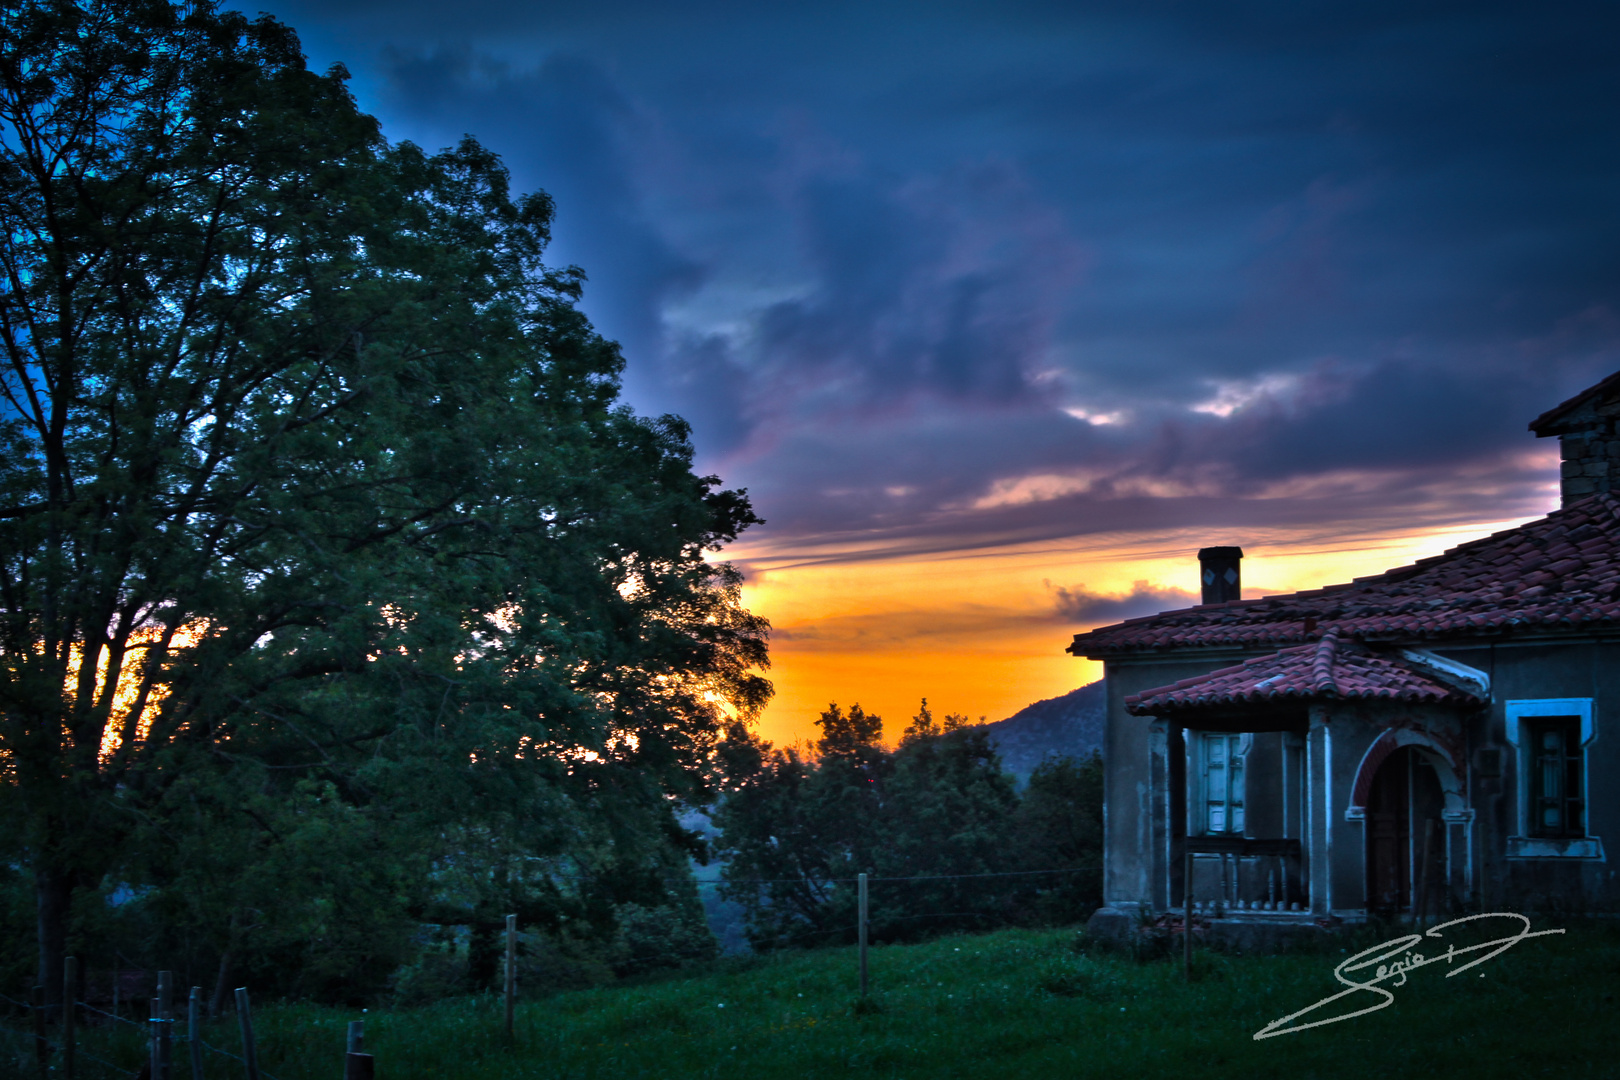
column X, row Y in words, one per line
column 949, row 286
column 561, row 124
column 1085, row 608
column 889, row 258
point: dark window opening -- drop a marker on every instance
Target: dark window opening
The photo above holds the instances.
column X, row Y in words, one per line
column 1557, row 773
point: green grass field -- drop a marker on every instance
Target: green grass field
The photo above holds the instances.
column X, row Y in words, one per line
column 1018, row 1004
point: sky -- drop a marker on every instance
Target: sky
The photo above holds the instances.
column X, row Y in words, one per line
column 1000, row 311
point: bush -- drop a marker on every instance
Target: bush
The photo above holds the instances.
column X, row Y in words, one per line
column 555, row 963
column 439, row 971
column 663, row 937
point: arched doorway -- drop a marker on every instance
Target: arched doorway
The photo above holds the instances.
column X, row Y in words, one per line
column 1404, row 796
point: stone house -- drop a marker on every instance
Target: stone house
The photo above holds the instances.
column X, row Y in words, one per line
column 1430, row 738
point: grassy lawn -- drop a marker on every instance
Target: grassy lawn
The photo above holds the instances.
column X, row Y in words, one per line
column 1018, row 1004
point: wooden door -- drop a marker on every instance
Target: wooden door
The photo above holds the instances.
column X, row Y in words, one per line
column 1389, row 835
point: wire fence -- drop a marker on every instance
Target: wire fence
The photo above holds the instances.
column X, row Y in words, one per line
column 40, row 1044
column 563, row 875
column 912, row 877
column 54, row 1047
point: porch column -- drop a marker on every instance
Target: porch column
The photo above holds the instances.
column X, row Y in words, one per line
column 1294, row 802
column 1159, row 831
column 1319, row 811
column 1459, row 854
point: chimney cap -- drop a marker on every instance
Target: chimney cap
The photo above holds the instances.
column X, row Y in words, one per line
column 1220, row 553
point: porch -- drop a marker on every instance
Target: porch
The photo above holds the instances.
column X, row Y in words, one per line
column 1285, row 797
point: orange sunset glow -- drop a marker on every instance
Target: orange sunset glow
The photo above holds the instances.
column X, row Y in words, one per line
column 977, row 632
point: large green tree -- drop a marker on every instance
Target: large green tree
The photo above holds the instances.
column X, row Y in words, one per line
column 315, row 497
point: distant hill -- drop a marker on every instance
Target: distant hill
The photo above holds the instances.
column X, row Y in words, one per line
column 1070, row 726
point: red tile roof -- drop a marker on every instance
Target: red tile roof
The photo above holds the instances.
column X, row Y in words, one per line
column 1329, row 668
column 1560, row 572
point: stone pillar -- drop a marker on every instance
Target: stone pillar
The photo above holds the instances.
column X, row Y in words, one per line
column 1293, row 798
column 1159, row 832
column 1459, row 854
column 1319, row 811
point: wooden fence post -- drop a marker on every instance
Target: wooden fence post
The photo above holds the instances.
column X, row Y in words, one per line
column 357, row 1064
column 42, row 1046
column 193, row 1032
column 165, row 1017
column 70, row 980
column 244, row 1018
column 511, row 969
column 862, row 921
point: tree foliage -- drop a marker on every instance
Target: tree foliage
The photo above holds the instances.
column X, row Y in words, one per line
column 924, row 726
column 1059, row 822
column 948, row 841
column 321, row 529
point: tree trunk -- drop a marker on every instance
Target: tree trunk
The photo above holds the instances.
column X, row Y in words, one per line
column 484, row 953
column 53, row 891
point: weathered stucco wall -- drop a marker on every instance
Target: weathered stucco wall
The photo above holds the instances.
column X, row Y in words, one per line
column 1130, row 847
column 1540, row 671
column 1483, row 813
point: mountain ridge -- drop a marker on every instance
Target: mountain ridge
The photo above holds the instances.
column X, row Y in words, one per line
column 1070, row 725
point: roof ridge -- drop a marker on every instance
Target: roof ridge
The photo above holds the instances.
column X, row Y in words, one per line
column 1336, row 666
column 1503, row 583
column 1608, row 499
column 1322, row 663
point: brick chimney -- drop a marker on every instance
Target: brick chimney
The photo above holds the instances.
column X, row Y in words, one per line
column 1589, row 447
column 1221, row 572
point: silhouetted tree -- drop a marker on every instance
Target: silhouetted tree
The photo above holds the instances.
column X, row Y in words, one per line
column 856, row 737
column 321, row 528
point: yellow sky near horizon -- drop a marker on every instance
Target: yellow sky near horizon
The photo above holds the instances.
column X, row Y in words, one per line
column 978, row 632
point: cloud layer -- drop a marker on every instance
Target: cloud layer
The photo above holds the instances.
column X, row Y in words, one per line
column 972, row 274
column 1085, row 608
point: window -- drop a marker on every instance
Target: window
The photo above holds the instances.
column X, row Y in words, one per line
column 1223, row 783
column 1556, row 803
column 1550, row 737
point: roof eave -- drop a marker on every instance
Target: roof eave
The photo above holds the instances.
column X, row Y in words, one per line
column 1547, row 423
column 1605, row 628
column 1293, row 703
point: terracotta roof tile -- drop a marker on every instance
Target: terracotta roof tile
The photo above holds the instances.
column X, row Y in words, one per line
column 1562, row 570
column 1330, row 668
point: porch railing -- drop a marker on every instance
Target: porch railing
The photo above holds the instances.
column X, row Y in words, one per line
column 1257, row 873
